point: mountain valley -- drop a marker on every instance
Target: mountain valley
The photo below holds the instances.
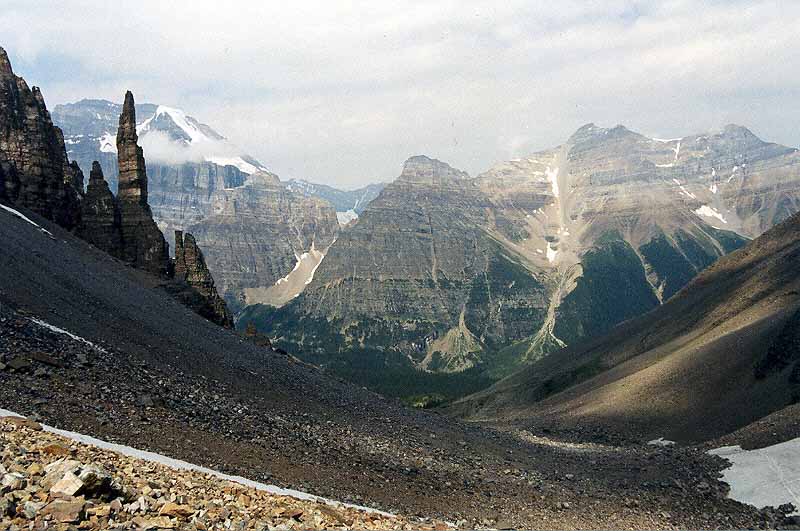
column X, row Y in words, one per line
column 604, row 334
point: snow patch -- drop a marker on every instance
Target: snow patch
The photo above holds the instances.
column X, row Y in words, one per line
column 58, row 330
column 177, row 464
column 108, row 143
column 238, row 162
column 707, row 211
column 346, row 217
column 684, row 191
column 661, row 441
column 766, row 477
column 551, row 253
column 552, row 176
column 180, row 119
column 19, row 214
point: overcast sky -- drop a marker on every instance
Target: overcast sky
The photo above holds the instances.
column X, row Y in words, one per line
column 343, row 92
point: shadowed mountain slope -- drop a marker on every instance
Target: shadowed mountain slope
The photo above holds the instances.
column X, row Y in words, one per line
column 722, row 353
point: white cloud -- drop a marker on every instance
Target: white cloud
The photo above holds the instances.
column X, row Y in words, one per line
column 344, row 92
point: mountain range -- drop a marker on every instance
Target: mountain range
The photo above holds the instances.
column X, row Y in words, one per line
column 447, row 274
column 615, row 289
column 262, row 238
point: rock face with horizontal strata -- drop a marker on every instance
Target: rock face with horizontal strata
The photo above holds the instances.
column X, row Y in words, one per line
column 255, row 234
column 36, row 172
column 537, row 252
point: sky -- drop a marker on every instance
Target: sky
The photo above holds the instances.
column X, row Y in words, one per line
column 343, row 92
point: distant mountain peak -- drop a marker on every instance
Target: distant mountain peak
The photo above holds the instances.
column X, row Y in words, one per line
column 593, row 133
column 421, row 168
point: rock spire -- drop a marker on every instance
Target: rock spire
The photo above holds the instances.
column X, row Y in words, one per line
column 143, row 244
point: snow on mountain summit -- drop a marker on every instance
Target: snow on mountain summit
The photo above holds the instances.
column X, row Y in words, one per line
column 167, row 134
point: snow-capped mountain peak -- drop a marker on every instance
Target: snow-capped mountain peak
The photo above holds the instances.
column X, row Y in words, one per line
column 179, row 125
column 167, row 134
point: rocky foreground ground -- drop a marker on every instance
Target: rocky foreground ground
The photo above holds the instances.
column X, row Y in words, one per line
column 417, row 465
column 50, row 482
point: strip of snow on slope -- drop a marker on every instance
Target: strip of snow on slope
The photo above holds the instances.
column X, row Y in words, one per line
column 551, row 253
column 552, row 176
column 346, row 217
column 58, row 330
column 707, row 211
column 292, row 285
column 18, row 214
column 177, row 464
column 766, row 477
column 684, row 191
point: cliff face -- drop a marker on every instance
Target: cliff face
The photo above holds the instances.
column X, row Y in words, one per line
column 257, row 234
column 143, row 244
column 36, row 173
column 420, row 279
column 190, row 268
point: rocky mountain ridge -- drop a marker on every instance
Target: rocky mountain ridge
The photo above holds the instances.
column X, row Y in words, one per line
column 446, row 273
column 36, row 174
column 349, row 204
column 35, row 171
column 254, row 230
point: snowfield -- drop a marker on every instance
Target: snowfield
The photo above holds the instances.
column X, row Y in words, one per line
column 766, row 477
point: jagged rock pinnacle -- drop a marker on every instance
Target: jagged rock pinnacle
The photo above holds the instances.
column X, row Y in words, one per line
column 144, row 246
column 191, row 268
column 5, row 64
column 132, row 169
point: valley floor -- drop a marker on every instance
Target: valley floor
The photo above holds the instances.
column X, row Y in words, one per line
column 417, row 464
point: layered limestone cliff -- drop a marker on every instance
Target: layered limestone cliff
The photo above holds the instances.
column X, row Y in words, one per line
column 258, row 234
column 419, row 279
column 36, row 172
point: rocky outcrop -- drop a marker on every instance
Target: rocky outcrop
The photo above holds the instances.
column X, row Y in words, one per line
column 36, row 172
column 190, row 268
column 100, row 218
column 143, row 244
